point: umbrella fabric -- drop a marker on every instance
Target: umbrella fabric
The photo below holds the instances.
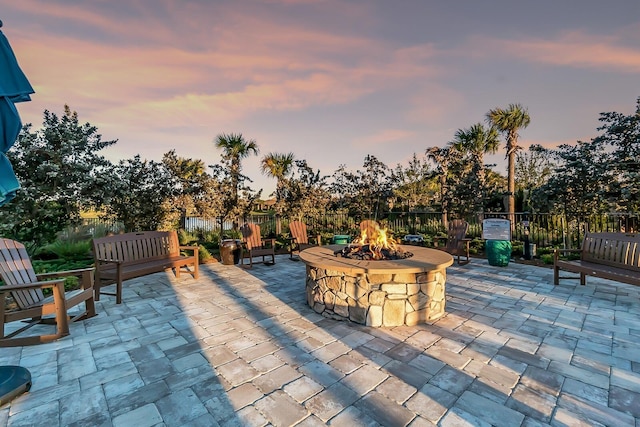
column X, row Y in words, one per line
column 14, row 87
column 9, row 185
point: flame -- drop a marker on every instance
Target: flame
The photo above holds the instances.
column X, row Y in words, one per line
column 377, row 239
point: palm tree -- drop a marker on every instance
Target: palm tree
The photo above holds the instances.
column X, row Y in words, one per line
column 508, row 121
column 235, row 148
column 476, row 142
column 278, row 166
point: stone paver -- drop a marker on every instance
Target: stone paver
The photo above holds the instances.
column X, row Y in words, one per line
column 240, row 347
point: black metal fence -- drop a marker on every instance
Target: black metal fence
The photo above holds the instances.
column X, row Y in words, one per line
column 559, row 230
column 545, row 230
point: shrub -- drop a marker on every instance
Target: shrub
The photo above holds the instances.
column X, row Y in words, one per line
column 204, row 255
column 185, row 238
column 547, row 258
column 52, row 266
column 69, row 250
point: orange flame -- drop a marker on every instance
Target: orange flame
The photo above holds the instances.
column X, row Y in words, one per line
column 377, row 239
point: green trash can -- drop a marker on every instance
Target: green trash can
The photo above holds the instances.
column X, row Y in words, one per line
column 498, row 252
column 340, row 239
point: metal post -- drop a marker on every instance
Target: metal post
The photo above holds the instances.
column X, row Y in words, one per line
column 527, row 247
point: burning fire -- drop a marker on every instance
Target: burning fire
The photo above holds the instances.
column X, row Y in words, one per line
column 373, row 244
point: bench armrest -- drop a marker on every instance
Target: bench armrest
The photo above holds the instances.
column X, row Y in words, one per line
column 108, row 261
column 189, row 248
column 557, row 252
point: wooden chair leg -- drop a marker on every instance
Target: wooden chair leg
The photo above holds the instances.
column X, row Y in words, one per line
column 62, row 320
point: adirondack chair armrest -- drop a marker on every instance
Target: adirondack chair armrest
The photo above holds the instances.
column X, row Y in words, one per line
column 78, row 273
column 266, row 242
column 437, row 239
column 33, row 285
column 85, row 275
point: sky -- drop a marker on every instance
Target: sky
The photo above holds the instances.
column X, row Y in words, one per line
column 330, row 81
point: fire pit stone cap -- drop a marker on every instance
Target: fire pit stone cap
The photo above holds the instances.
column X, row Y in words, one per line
column 423, row 260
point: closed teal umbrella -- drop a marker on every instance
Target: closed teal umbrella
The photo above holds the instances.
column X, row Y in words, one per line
column 14, row 87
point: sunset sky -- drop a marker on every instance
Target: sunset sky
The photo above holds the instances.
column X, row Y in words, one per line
column 329, row 80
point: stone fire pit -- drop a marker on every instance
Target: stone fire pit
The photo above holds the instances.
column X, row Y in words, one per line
column 377, row 293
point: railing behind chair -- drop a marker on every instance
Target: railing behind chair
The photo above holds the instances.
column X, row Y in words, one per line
column 566, row 231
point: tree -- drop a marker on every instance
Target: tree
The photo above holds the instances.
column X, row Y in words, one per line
column 234, row 149
column 508, row 121
column 195, row 188
column 139, row 197
column 576, row 182
column 61, row 174
column 375, row 186
column 475, row 142
column 343, row 190
column 600, row 175
column 413, row 185
column 363, row 193
column 278, row 166
column 305, row 193
column 442, row 158
column 621, row 142
column 533, row 170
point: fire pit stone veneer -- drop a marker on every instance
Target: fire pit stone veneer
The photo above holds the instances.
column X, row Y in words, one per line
column 377, row 293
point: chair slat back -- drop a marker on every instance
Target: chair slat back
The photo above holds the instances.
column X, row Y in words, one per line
column 16, row 269
column 455, row 234
column 251, row 235
column 298, row 231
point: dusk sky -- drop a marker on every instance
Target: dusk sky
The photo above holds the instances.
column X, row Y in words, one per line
column 329, row 80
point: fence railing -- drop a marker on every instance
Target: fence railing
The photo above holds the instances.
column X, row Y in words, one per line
column 544, row 229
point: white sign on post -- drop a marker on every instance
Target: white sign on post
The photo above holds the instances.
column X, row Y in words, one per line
column 496, row 229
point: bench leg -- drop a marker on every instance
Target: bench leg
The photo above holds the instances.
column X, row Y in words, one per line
column 583, row 279
column 556, row 275
column 119, row 292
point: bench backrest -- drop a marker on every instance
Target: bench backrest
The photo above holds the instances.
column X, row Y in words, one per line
column 137, row 246
column 614, row 249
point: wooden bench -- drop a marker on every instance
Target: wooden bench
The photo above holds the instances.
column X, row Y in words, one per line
column 614, row 256
column 126, row 256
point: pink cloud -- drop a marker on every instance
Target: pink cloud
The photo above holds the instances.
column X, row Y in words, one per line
column 575, row 49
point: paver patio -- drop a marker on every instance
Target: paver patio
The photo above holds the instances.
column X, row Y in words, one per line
column 241, row 348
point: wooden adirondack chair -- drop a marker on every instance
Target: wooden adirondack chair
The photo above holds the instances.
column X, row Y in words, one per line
column 300, row 240
column 255, row 246
column 457, row 243
column 25, row 287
